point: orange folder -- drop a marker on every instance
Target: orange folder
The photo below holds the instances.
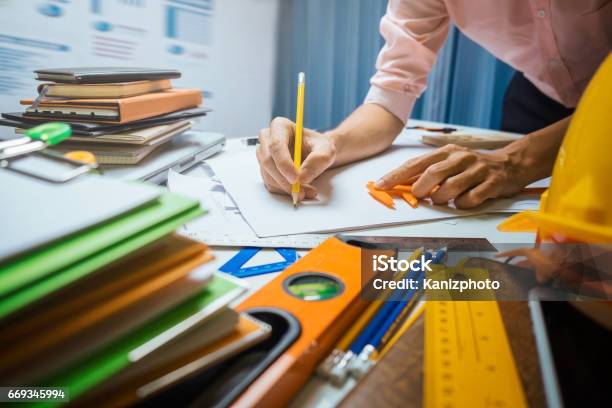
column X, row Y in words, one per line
column 127, row 109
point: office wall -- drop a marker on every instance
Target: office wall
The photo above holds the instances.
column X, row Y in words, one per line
column 335, row 42
column 226, row 48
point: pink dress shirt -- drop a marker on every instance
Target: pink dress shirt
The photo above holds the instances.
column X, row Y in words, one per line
column 557, row 44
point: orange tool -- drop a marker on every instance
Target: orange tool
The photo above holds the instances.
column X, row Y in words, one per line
column 325, row 312
column 381, row 195
column 403, row 191
column 410, row 199
column 402, row 187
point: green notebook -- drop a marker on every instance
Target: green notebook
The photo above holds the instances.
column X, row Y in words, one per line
column 108, row 361
column 30, row 278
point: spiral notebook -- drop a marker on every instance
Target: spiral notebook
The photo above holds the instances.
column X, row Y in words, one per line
column 111, row 154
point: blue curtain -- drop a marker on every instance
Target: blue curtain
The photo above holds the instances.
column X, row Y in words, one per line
column 335, row 42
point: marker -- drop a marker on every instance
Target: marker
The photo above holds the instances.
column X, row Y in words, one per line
column 35, row 139
column 299, row 123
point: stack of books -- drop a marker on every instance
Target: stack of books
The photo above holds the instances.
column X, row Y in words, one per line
column 99, row 296
column 120, row 115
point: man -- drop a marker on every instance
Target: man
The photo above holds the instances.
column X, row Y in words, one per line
column 555, row 45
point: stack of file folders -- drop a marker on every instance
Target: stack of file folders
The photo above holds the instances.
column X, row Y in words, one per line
column 121, row 115
column 99, row 296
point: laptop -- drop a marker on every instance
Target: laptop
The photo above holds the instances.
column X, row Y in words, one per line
column 180, row 154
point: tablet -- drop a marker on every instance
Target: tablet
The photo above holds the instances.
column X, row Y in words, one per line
column 574, row 351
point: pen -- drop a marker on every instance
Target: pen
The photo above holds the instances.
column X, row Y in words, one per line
column 370, row 330
column 334, row 367
column 437, row 258
column 379, row 319
column 418, row 311
column 363, row 320
column 388, row 319
column 434, row 129
column 297, row 150
column 367, row 343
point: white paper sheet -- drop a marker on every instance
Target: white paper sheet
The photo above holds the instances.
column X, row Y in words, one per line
column 343, row 203
column 222, row 214
column 223, row 224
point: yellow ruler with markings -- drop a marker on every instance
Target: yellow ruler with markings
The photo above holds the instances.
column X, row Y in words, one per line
column 468, row 360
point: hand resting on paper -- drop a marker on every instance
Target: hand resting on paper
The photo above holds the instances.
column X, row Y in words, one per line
column 469, row 177
column 276, row 162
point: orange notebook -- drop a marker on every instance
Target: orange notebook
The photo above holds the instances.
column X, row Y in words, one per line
column 120, row 110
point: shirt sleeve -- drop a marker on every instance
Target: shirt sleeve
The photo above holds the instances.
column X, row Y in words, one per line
column 414, row 31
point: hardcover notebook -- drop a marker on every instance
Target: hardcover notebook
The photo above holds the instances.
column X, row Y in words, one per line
column 27, row 226
column 28, row 279
column 98, row 75
column 121, row 110
column 99, row 290
column 155, row 378
column 111, row 154
column 150, row 136
column 158, row 334
column 115, row 90
column 157, row 281
column 19, row 120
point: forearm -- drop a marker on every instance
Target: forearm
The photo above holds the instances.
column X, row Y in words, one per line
column 369, row 130
column 534, row 155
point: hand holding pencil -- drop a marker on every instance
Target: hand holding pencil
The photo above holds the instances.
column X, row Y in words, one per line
column 276, row 153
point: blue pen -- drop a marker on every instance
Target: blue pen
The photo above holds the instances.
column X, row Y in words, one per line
column 388, row 322
column 366, row 335
column 340, row 363
column 440, row 256
column 436, row 258
column 382, row 322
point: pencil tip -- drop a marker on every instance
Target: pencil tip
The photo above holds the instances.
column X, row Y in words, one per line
column 295, row 197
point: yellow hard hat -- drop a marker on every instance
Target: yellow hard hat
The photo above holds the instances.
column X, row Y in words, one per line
column 578, row 203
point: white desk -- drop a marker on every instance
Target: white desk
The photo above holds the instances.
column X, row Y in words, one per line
column 318, row 393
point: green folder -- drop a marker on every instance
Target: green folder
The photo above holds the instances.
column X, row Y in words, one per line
column 102, row 365
column 31, row 277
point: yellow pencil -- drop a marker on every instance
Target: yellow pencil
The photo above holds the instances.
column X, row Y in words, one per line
column 418, row 311
column 299, row 123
